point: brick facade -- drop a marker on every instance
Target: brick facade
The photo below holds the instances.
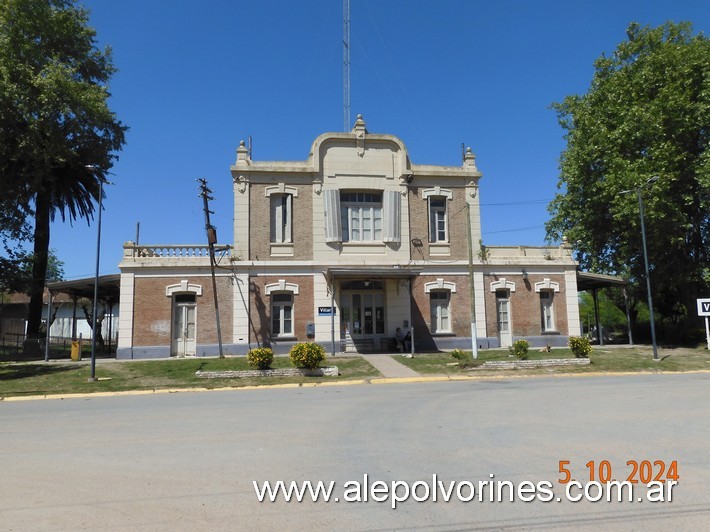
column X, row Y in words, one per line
column 386, row 241
column 456, row 226
column 154, row 327
column 260, row 230
column 525, row 308
column 260, row 309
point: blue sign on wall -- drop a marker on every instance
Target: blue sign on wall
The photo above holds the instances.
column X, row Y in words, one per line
column 326, row 311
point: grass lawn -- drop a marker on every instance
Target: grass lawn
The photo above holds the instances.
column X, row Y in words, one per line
column 602, row 359
column 40, row 378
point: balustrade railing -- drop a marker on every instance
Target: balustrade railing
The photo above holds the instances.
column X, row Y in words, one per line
column 165, row 251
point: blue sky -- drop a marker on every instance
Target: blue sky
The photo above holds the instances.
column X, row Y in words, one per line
column 196, row 78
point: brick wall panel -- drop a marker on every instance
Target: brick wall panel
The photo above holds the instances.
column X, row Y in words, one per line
column 154, row 309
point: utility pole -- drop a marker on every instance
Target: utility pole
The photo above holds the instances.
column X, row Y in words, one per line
column 211, row 241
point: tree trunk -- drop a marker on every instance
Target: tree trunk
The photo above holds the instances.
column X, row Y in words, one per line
column 39, row 264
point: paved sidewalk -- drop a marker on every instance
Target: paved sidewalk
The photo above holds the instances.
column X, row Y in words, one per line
column 389, row 367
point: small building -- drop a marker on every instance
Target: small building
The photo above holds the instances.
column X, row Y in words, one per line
column 343, row 248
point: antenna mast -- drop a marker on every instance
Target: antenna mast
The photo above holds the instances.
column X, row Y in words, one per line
column 346, row 65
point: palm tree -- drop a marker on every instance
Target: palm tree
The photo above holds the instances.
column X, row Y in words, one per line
column 69, row 192
column 54, row 121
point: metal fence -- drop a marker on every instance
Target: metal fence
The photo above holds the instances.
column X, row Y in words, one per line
column 12, row 347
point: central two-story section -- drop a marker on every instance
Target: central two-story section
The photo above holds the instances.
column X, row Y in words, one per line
column 352, row 244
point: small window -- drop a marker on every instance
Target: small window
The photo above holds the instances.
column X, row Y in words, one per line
column 281, row 206
column 437, row 219
column 547, row 311
column 282, row 314
column 184, row 298
column 439, row 308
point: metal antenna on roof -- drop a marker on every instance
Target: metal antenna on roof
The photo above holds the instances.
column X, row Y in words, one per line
column 346, row 65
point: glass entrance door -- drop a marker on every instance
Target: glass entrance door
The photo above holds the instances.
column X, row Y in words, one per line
column 362, row 310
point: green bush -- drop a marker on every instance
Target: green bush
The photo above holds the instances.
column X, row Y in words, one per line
column 460, row 355
column 260, row 357
column 580, row 346
column 307, row 355
column 520, row 349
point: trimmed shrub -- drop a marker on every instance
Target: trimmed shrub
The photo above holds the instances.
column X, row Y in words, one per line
column 460, row 355
column 580, row 346
column 520, row 349
column 307, row 355
column 260, row 357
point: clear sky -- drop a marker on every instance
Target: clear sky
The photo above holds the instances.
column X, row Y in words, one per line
column 197, row 77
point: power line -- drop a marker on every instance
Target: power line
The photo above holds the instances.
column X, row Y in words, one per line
column 514, row 230
column 526, row 202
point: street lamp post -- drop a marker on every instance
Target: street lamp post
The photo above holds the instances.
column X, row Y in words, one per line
column 92, row 377
column 645, row 262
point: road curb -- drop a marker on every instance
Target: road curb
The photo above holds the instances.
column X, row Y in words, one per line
column 353, row 382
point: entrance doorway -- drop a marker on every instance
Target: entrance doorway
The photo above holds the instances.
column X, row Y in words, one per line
column 183, row 333
column 503, row 312
column 362, row 310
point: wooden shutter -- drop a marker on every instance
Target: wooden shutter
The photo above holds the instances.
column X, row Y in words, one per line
column 391, row 216
column 331, row 212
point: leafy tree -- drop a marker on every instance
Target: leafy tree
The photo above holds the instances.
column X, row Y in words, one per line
column 58, row 137
column 611, row 316
column 16, row 273
column 646, row 114
column 87, row 306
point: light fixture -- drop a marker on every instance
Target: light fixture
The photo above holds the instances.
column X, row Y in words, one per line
column 417, row 242
column 525, row 275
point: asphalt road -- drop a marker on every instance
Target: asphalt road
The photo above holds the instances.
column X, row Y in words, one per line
column 187, row 460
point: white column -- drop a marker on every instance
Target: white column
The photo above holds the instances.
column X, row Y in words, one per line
column 573, row 323
column 240, row 309
column 125, row 311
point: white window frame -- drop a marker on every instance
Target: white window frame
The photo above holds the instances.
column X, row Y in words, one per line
column 437, row 214
column 549, row 287
column 281, row 213
column 547, row 310
column 278, row 311
column 359, row 213
column 281, row 287
column 440, row 310
column 281, row 210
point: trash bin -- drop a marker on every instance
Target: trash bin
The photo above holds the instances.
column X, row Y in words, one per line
column 76, row 351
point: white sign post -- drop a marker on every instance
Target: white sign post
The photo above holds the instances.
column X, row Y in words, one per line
column 704, row 310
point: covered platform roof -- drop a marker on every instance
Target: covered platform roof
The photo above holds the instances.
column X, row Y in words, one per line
column 594, row 281
column 109, row 287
